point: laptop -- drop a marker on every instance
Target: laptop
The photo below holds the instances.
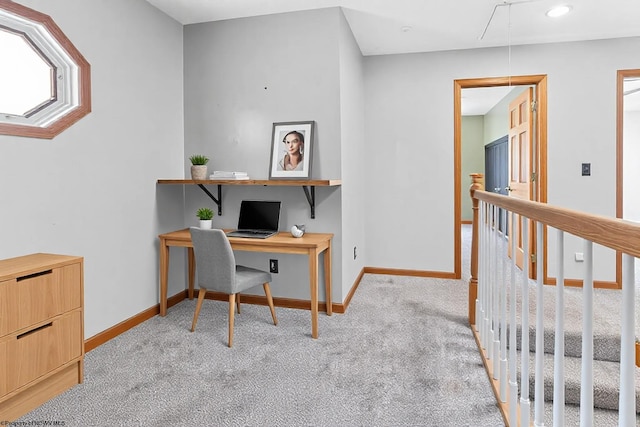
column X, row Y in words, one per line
column 258, row 219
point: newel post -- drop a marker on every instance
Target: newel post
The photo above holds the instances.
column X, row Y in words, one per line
column 477, row 183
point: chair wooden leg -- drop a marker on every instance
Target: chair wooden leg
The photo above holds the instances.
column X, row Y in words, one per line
column 267, row 292
column 238, row 302
column 232, row 309
column 201, row 295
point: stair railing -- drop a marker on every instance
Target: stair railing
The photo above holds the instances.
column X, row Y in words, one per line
column 490, row 319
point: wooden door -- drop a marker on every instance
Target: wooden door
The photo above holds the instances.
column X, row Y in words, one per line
column 521, row 167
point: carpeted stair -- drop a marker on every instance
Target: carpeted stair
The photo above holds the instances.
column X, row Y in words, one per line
column 606, row 369
column 606, row 342
column 606, row 382
column 606, row 350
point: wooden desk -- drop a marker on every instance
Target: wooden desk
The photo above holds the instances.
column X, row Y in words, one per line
column 311, row 244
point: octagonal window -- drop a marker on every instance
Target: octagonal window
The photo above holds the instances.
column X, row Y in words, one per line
column 46, row 88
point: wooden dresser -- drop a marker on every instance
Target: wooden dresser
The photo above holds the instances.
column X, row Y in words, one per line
column 41, row 330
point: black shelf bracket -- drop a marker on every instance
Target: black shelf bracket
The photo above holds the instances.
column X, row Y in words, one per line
column 217, row 201
column 310, row 192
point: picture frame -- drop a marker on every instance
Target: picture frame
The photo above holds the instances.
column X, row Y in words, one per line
column 292, row 145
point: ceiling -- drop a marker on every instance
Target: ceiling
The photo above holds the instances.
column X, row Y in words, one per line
column 383, row 27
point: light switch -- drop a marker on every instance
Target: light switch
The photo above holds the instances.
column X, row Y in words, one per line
column 586, row 169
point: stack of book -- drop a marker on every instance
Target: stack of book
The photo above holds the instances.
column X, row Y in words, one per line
column 228, row 175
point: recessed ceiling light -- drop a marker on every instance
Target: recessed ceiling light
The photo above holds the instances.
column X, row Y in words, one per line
column 559, row 11
column 406, row 28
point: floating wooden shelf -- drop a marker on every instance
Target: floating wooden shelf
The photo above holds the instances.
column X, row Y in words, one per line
column 308, row 186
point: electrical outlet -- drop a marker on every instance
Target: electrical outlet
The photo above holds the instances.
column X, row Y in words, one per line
column 273, row 265
column 355, row 253
column 579, row 257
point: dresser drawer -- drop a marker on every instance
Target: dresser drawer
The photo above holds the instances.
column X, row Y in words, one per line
column 34, row 352
column 33, row 298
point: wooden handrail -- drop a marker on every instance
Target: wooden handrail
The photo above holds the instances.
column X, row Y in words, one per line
column 617, row 234
column 613, row 233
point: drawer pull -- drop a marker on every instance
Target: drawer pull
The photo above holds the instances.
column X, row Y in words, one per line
column 31, row 276
column 48, row 325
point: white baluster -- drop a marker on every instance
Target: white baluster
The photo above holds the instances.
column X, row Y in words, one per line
column 483, row 279
column 513, row 373
column 627, row 403
column 495, row 286
column 503, row 313
column 539, row 371
column 490, row 283
column 586, row 381
column 525, row 404
column 485, row 286
column 558, row 351
column 479, row 273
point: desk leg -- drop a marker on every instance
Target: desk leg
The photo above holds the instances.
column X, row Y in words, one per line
column 313, row 285
column 192, row 270
column 327, row 279
column 164, row 276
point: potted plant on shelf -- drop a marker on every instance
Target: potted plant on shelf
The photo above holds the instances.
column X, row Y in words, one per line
column 199, row 166
column 206, row 217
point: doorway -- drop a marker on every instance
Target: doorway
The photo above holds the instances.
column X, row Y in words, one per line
column 627, row 151
column 538, row 155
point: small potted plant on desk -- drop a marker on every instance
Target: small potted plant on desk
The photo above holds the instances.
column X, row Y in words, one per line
column 199, row 166
column 206, row 217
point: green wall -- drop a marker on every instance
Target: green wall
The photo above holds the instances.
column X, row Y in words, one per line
column 472, row 157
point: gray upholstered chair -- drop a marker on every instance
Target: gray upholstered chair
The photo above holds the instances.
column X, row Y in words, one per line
column 217, row 271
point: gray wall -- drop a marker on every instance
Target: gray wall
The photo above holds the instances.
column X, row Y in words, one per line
column 243, row 75
column 91, row 190
column 409, row 129
column 353, row 148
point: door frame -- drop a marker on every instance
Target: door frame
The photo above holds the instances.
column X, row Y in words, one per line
column 539, row 193
column 622, row 74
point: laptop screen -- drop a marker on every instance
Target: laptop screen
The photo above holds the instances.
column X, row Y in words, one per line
column 259, row 215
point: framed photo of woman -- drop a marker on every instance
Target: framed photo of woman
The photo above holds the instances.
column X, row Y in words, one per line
column 291, row 150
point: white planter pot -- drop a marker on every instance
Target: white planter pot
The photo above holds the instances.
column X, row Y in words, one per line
column 199, row 172
column 206, row 223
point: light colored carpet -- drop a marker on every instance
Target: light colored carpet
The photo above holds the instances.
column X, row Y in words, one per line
column 402, row 355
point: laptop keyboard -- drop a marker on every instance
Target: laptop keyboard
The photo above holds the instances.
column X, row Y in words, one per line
column 249, row 233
